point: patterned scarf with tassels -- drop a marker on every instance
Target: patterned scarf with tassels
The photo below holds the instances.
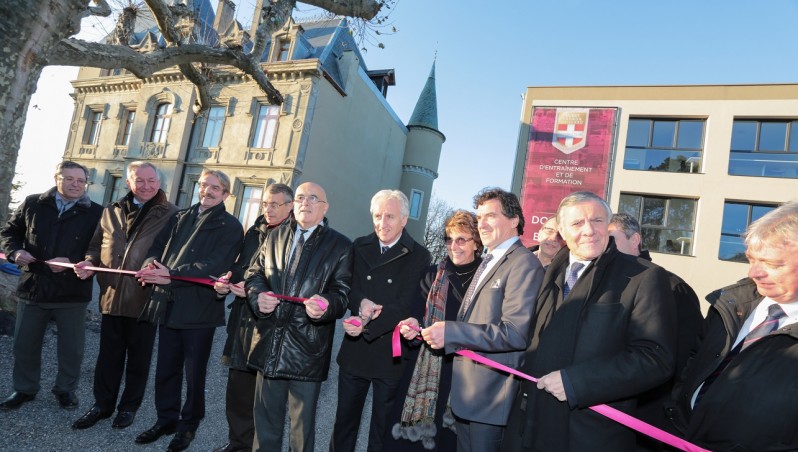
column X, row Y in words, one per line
column 418, row 413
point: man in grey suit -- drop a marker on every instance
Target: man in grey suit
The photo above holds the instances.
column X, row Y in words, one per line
column 494, row 321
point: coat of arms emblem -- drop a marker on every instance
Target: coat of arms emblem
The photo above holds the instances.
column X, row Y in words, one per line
column 570, row 129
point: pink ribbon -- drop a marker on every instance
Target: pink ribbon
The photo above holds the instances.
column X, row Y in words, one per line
column 352, row 321
column 191, row 279
column 322, row 304
column 206, row 281
column 605, row 410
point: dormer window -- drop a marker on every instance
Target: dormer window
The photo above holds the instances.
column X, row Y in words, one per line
column 283, row 52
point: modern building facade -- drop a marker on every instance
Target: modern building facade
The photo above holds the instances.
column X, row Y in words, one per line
column 695, row 164
column 335, row 127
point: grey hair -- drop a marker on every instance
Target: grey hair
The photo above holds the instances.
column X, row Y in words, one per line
column 134, row 166
column 777, row 228
column 626, row 223
column 384, row 195
column 224, row 179
column 277, row 188
column 581, row 197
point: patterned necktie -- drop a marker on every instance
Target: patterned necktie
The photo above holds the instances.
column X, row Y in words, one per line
column 467, row 299
column 769, row 325
column 63, row 206
column 384, row 249
column 293, row 263
column 573, row 275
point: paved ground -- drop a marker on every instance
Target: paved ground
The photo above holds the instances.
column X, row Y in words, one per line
column 42, row 425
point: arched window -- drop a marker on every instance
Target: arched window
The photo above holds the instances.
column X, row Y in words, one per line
column 160, row 125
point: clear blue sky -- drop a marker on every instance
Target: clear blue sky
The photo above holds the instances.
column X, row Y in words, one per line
column 487, row 55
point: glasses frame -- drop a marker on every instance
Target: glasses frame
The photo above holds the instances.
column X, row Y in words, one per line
column 312, row 199
column 460, row 241
column 275, row 205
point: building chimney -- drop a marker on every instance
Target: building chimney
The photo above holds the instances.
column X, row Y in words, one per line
column 225, row 13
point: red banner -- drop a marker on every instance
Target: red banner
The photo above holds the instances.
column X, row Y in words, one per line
column 569, row 150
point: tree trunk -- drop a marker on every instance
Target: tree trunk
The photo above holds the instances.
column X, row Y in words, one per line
column 35, row 32
column 30, row 30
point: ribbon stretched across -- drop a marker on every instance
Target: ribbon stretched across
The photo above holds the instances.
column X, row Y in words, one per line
column 605, row 410
column 206, row 281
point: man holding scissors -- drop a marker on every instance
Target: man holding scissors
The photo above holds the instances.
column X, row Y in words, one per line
column 200, row 241
column 292, row 343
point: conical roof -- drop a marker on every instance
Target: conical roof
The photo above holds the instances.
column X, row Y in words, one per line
column 426, row 112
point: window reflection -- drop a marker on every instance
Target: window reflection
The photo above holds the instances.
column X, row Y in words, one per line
column 664, row 145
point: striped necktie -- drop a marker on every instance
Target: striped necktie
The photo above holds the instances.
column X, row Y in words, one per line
column 769, row 325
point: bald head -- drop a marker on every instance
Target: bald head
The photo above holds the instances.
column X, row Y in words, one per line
column 310, row 205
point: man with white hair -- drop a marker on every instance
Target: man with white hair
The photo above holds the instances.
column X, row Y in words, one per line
column 127, row 229
column 388, row 265
column 604, row 332
column 739, row 390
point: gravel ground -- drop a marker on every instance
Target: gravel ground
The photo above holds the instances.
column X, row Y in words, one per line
column 41, row 425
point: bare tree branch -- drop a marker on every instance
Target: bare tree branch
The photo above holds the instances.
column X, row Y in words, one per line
column 437, row 214
column 102, row 9
column 365, row 9
column 273, row 16
column 163, row 17
column 76, row 52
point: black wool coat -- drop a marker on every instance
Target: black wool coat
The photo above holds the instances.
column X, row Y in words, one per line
column 753, row 404
column 614, row 336
column 391, row 280
column 196, row 246
column 36, row 227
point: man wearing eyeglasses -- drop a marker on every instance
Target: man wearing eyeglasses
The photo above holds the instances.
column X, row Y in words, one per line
column 199, row 241
column 277, row 205
column 292, row 342
column 385, row 283
column 55, row 226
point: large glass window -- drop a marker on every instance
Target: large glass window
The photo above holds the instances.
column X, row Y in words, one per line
column 764, row 148
column 266, row 126
column 126, row 127
column 673, row 145
column 213, row 127
column 667, row 223
column 160, row 125
column 93, row 127
column 250, row 207
column 737, row 216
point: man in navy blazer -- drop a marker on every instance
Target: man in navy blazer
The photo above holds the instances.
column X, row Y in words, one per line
column 494, row 321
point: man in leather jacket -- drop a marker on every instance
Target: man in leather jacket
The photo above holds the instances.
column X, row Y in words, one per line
column 292, row 344
column 278, row 201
